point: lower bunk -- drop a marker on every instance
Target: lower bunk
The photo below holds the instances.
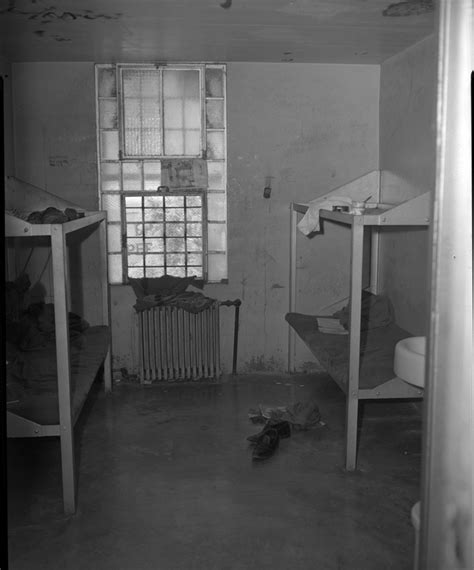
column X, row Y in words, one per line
column 375, row 377
column 35, row 407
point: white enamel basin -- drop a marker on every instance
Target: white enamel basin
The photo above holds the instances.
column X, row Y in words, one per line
column 409, row 360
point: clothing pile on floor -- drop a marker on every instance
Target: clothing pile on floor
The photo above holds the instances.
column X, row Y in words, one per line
column 171, row 292
column 279, row 422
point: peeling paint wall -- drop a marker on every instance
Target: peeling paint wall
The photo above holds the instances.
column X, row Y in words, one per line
column 309, row 127
column 407, row 153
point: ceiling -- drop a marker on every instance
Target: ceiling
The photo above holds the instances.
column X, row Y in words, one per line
column 317, row 31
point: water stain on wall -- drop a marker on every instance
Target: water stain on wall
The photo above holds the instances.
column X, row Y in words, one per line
column 262, row 364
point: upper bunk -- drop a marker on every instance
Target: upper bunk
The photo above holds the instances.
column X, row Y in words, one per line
column 413, row 211
column 22, row 198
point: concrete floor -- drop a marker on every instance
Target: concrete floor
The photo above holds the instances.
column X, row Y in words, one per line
column 166, row 482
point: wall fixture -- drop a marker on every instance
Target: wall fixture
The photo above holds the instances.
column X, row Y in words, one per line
column 267, row 191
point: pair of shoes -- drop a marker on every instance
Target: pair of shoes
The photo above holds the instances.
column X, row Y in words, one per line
column 266, row 445
column 282, row 427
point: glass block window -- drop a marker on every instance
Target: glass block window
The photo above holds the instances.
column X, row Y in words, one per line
column 141, row 108
column 182, row 112
column 145, row 116
column 161, row 112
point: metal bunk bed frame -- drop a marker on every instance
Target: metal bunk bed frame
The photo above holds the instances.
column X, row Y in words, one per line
column 69, row 407
column 414, row 213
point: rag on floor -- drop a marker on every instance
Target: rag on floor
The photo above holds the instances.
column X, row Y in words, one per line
column 301, row 415
column 310, row 221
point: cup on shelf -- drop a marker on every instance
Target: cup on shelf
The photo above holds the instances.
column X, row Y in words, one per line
column 358, row 208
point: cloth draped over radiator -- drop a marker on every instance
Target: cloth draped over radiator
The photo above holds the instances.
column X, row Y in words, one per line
column 310, row 221
column 171, row 292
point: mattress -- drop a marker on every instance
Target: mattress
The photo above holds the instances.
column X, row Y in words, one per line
column 377, row 347
column 38, row 400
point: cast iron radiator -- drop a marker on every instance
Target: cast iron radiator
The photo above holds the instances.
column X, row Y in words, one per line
column 175, row 344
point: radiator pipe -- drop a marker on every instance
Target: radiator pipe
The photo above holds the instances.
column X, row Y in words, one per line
column 236, row 303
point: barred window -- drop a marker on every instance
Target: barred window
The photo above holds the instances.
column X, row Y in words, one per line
column 165, row 235
column 162, row 169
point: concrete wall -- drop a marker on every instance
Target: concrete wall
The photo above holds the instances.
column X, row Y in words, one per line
column 407, row 154
column 310, row 127
column 55, row 149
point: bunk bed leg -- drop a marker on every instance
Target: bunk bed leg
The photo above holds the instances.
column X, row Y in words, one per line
column 66, row 426
column 352, row 409
column 105, row 302
column 291, row 332
column 374, row 260
column 107, row 373
column 352, row 402
column 68, row 470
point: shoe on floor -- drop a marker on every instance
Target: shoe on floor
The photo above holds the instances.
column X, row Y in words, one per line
column 266, row 445
column 283, row 429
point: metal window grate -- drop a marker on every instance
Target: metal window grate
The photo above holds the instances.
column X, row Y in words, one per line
column 165, row 235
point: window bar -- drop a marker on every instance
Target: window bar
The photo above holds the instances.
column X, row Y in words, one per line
column 123, row 224
column 185, row 221
column 165, row 227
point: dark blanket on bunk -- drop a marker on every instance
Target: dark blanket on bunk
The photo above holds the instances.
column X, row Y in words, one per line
column 36, row 327
column 32, row 375
column 377, row 348
column 375, row 311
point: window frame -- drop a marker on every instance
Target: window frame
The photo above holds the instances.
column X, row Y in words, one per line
column 201, row 68
column 111, row 165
